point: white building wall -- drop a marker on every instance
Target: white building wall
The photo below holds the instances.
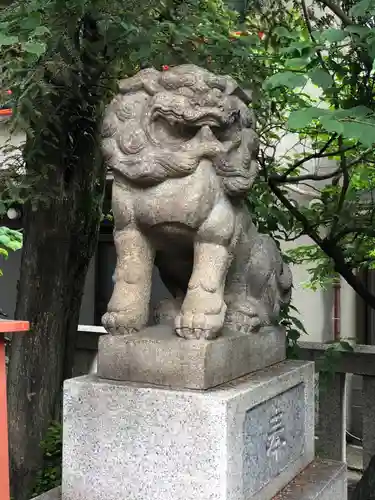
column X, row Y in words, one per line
column 315, row 307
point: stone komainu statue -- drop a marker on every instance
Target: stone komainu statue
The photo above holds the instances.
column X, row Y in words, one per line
column 182, row 147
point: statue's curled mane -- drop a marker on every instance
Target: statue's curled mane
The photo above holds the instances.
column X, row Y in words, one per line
column 162, row 124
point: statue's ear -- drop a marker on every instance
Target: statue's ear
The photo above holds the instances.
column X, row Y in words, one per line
column 146, row 79
column 244, row 94
column 234, row 89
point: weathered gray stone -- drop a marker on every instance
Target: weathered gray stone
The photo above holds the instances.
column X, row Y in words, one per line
column 157, row 356
column 54, row 494
column 282, row 420
column 321, row 480
column 331, row 425
column 142, row 442
column 368, row 419
column 182, row 148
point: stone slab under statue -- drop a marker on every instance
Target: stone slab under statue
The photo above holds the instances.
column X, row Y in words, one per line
column 157, row 356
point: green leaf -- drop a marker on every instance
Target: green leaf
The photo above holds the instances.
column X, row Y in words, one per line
column 339, row 347
column 42, row 30
column 281, row 31
column 298, row 323
column 361, row 31
column 332, row 125
column 302, row 117
column 296, row 63
column 355, row 112
column 37, row 48
column 5, row 240
column 346, row 346
column 298, row 46
column 14, row 245
column 362, row 8
column 363, row 132
column 285, row 79
column 4, row 253
column 321, row 78
column 7, row 40
column 293, row 335
column 31, row 21
column 334, row 35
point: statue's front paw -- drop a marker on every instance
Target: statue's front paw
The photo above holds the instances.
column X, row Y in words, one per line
column 117, row 323
column 192, row 325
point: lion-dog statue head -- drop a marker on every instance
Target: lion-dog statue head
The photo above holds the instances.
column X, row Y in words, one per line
column 161, row 124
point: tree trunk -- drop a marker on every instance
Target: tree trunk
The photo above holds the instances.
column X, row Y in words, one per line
column 60, row 239
column 62, row 153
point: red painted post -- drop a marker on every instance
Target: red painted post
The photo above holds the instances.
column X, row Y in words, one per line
column 6, row 326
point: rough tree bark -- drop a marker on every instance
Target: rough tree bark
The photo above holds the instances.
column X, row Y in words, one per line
column 59, row 241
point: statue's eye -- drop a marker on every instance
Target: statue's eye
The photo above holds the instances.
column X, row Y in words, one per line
column 234, row 117
column 220, row 132
column 226, row 131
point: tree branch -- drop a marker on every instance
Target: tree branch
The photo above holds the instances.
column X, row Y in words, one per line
column 368, row 231
column 328, row 247
column 283, row 179
column 300, row 178
column 332, row 6
column 320, row 154
column 344, row 188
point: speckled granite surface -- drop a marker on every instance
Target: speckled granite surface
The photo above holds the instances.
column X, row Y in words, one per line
column 243, row 440
column 321, row 480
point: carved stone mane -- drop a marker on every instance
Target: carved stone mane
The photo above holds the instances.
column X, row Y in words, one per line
column 149, row 131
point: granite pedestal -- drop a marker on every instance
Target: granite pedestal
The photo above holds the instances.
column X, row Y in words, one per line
column 244, row 440
column 321, row 480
